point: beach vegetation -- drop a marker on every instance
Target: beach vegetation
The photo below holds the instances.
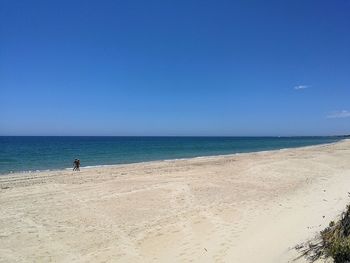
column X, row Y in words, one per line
column 333, row 242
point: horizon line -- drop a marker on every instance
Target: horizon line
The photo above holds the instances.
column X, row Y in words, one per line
column 282, row 136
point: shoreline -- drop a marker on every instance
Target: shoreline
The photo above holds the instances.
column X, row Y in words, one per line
column 16, row 173
column 249, row 207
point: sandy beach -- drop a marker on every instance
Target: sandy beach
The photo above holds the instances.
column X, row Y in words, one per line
column 252, row 207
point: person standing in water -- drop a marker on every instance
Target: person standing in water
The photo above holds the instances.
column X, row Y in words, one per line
column 76, row 165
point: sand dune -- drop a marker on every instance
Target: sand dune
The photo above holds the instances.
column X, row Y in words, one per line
column 239, row 208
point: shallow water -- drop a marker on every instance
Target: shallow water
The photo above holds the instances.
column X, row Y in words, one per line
column 51, row 152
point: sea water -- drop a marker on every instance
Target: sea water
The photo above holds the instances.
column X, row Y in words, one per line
column 32, row 153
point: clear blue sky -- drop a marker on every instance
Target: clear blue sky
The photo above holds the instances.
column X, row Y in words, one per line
column 174, row 67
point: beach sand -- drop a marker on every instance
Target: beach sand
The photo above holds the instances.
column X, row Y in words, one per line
column 252, row 207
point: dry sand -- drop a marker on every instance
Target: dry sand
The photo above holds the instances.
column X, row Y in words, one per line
column 240, row 208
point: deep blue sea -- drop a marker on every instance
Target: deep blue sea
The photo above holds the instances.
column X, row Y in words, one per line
column 50, row 153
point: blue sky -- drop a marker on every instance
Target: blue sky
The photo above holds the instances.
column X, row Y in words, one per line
column 174, row 67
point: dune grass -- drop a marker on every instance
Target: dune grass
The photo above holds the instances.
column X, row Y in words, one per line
column 333, row 242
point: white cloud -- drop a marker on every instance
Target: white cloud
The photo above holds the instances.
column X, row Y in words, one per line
column 339, row 114
column 301, row 87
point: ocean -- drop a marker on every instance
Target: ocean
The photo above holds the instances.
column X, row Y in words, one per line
column 33, row 153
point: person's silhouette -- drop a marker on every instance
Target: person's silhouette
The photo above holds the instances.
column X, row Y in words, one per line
column 76, row 165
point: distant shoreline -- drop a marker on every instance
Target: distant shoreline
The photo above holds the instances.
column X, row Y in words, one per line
column 165, row 160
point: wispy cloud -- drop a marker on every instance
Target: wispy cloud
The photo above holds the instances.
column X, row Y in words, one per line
column 301, row 87
column 339, row 114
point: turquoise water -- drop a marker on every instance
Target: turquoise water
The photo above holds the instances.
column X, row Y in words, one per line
column 48, row 153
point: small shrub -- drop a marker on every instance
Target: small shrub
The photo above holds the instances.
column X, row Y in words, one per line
column 339, row 250
column 333, row 242
column 336, row 239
